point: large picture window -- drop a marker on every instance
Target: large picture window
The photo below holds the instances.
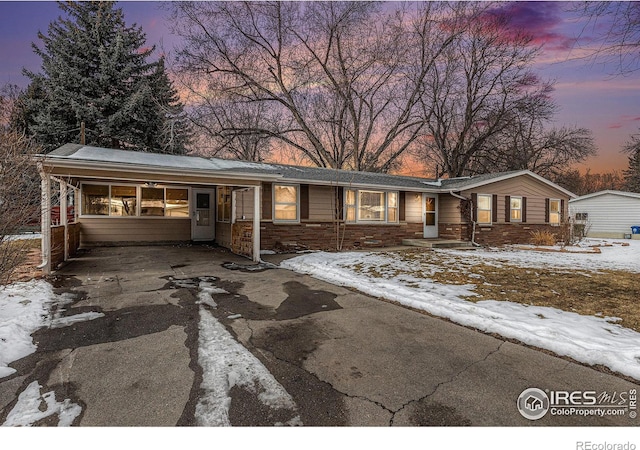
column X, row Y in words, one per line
column 95, row 200
column 123, row 200
column 119, row 200
column 285, row 203
column 371, row 206
column 484, row 209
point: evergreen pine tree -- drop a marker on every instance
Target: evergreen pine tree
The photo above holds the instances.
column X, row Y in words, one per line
column 95, row 70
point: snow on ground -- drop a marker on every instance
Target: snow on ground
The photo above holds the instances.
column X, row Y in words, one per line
column 613, row 256
column 226, row 363
column 32, row 407
column 20, row 237
column 588, row 339
column 24, row 307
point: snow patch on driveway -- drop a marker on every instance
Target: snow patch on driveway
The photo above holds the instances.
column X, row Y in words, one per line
column 226, row 363
column 32, row 407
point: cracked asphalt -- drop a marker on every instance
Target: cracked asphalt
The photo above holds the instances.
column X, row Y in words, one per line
column 345, row 358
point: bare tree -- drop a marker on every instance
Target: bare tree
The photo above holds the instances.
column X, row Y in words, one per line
column 478, row 91
column 19, row 186
column 616, row 32
column 632, row 173
column 344, row 80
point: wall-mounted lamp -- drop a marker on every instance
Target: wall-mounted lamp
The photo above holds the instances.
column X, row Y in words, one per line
column 150, row 184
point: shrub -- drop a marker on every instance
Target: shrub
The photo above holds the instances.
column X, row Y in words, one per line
column 543, row 237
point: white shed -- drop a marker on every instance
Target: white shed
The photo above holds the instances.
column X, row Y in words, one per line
column 607, row 214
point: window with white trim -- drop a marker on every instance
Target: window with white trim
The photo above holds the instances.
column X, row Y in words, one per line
column 516, row 209
column 350, row 205
column 554, row 211
column 285, row 203
column 484, row 209
column 371, row 206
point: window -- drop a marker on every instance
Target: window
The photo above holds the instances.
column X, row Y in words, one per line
column 117, row 200
column 516, row 209
column 392, row 207
column 285, row 203
column 224, row 204
column 484, row 209
column 554, row 211
column 350, row 205
column 177, row 204
column 123, row 201
column 582, row 217
column 152, row 202
column 371, row 206
column 95, row 200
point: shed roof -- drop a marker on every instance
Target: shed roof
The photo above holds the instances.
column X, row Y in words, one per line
column 608, row 191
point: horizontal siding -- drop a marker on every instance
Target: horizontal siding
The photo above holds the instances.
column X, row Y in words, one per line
column 522, row 186
column 244, row 204
column 322, row 202
column 449, row 209
column 608, row 213
column 134, row 230
column 413, row 208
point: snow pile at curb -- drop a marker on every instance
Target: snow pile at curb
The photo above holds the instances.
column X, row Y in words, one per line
column 591, row 340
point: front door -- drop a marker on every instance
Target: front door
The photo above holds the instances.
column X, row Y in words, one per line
column 203, row 215
column 430, row 208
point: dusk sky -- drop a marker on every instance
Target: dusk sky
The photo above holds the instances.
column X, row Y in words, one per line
column 587, row 93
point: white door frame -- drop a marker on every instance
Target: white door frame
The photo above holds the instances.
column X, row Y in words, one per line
column 199, row 232
column 429, row 231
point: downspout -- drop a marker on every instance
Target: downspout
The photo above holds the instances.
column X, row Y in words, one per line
column 473, row 222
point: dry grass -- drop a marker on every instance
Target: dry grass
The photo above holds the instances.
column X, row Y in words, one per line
column 594, row 293
column 543, row 237
column 605, row 293
column 28, row 261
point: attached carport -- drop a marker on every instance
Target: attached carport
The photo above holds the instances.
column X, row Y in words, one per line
column 116, row 197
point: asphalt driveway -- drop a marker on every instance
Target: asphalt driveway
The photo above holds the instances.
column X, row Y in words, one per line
column 343, row 357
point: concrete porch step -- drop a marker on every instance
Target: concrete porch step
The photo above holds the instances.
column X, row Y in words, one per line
column 438, row 243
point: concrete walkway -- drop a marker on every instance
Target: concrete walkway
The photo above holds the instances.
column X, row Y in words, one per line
column 345, row 358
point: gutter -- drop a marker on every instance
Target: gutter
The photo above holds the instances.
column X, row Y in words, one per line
column 473, row 228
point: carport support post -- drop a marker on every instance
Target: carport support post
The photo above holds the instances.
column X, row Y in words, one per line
column 45, row 219
column 63, row 217
column 257, row 213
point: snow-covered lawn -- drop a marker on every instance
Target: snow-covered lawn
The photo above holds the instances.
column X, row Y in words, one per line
column 409, row 281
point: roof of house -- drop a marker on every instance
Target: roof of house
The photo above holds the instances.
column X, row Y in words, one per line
column 608, row 191
column 87, row 157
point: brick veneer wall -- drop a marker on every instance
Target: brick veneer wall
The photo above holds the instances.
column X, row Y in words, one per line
column 458, row 231
column 322, row 235
column 511, row 233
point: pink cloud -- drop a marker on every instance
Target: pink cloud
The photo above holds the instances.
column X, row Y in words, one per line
column 540, row 20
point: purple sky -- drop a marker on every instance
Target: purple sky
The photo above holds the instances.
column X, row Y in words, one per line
column 586, row 92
